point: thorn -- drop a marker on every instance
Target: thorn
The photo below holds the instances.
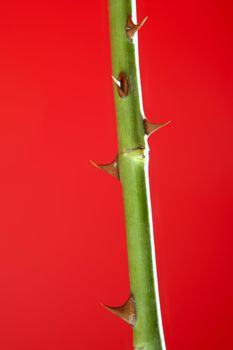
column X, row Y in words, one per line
column 122, row 84
column 132, row 28
column 110, row 168
column 116, row 81
column 127, row 311
column 150, row 127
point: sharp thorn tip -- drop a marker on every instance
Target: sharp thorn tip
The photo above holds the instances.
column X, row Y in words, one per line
column 116, row 81
column 93, row 163
column 151, row 127
column 127, row 312
column 110, row 168
column 132, row 28
column 143, row 21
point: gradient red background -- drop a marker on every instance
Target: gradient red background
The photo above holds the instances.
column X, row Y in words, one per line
column 62, row 233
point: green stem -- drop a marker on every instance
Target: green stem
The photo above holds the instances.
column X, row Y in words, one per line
column 133, row 172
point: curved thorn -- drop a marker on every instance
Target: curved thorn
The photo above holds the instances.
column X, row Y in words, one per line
column 127, row 311
column 122, row 84
column 150, row 127
column 110, row 168
column 131, row 28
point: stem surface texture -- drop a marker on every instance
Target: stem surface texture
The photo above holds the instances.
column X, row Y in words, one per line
column 132, row 163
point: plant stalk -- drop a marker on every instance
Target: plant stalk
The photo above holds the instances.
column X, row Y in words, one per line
column 133, row 160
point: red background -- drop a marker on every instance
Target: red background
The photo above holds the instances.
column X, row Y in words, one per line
column 62, row 234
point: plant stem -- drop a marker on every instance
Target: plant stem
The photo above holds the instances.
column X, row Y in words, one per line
column 133, row 173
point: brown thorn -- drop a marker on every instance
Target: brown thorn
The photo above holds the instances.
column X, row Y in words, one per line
column 122, row 84
column 127, row 311
column 110, row 168
column 150, row 127
column 132, row 28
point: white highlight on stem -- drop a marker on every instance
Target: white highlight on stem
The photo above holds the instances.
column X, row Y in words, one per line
column 159, row 316
column 135, row 43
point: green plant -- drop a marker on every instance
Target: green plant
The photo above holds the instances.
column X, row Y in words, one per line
column 142, row 309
